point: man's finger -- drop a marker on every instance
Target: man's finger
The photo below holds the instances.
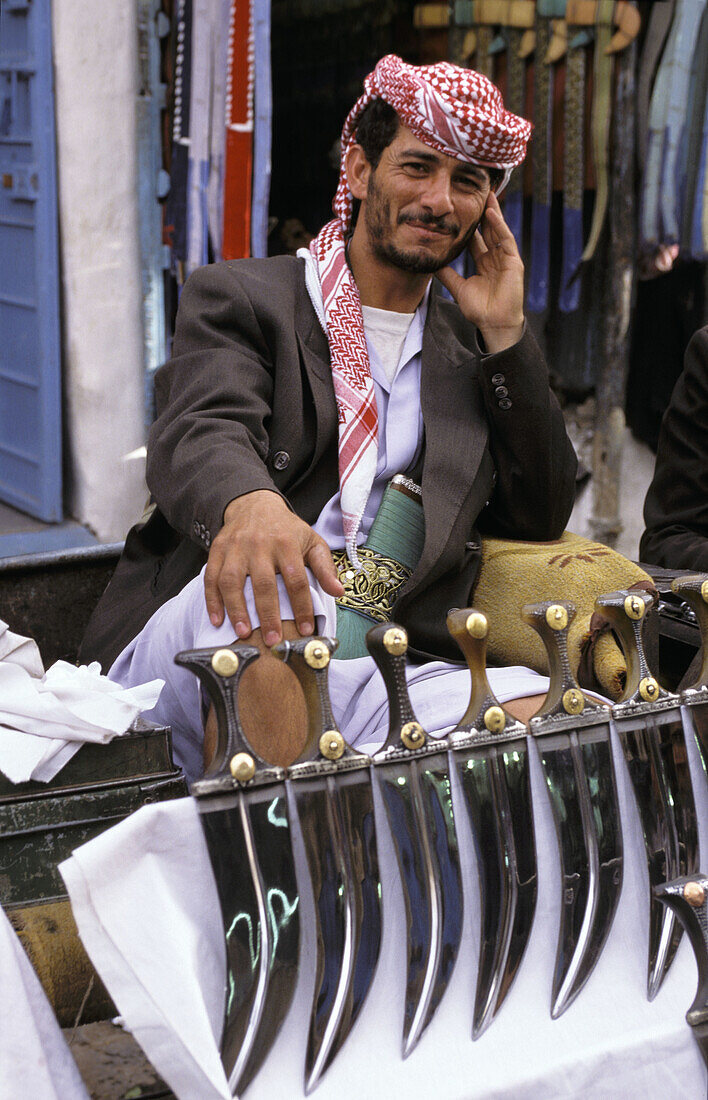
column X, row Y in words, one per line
column 265, row 595
column 298, row 586
column 231, row 583
column 319, row 559
column 451, row 280
column 212, row 594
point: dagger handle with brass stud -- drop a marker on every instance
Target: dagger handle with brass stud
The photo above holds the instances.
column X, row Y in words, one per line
column 388, row 644
column 626, row 612
column 694, row 590
column 470, row 628
column 309, row 659
column 220, row 671
column 551, row 620
column 688, row 897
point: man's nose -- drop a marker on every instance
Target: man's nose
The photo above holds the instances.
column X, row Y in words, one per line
column 438, row 194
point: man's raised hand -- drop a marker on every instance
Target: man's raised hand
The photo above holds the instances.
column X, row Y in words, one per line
column 260, row 538
column 493, row 298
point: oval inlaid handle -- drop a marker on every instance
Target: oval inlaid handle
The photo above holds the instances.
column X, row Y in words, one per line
column 220, row 670
column 309, row 658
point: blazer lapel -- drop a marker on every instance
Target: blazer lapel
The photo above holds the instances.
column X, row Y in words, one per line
column 456, row 433
column 314, row 354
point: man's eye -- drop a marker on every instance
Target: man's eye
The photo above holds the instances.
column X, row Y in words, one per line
column 468, row 183
column 415, row 166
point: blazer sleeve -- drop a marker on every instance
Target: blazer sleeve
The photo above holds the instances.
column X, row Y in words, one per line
column 209, row 441
column 534, row 459
column 676, row 506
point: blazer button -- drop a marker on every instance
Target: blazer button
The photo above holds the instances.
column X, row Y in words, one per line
column 504, row 403
column 281, row 460
column 195, row 528
column 498, row 379
column 501, row 391
column 472, row 545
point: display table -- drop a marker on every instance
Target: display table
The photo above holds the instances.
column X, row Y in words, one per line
column 147, row 911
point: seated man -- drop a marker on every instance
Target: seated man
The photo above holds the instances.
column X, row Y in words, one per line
column 676, row 506
column 299, row 386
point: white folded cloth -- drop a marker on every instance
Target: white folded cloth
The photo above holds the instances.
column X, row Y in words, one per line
column 46, row 717
column 35, row 1060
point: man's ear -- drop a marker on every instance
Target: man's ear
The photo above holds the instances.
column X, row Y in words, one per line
column 358, row 171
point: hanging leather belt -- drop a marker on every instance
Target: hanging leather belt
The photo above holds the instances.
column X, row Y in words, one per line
column 573, row 173
column 542, row 172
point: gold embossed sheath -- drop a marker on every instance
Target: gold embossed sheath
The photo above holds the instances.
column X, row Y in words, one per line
column 387, row 560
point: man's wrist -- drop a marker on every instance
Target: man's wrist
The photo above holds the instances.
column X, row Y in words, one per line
column 235, row 506
column 499, row 339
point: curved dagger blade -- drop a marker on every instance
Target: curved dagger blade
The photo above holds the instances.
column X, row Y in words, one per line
column 247, row 834
column 694, row 590
column 687, row 896
column 415, row 784
column 336, row 810
column 573, row 740
column 493, row 767
column 648, row 722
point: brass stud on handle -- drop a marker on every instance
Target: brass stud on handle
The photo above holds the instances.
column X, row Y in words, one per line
column 494, row 719
column 316, row 654
column 649, row 689
column 704, row 591
column 557, row 617
column 395, row 641
column 573, row 701
column 413, row 735
column 224, row 662
column 477, row 625
column 332, row 744
column 634, row 608
column 242, row 767
column 694, row 894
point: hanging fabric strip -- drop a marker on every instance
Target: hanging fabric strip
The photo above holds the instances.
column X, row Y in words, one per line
column 217, row 131
column 263, row 129
column 654, row 42
column 239, row 133
column 515, row 101
column 573, row 175
column 603, row 64
column 177, row 200
column 539, row 267
column 199, row 126
column 692, row 152
column 687, row 23
column 484, row 60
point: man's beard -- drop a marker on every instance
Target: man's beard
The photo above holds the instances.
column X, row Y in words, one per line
column 416, row 260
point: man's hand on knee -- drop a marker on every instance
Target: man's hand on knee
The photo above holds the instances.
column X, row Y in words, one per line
column 260, row 538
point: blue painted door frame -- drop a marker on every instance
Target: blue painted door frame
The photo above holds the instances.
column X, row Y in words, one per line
column 30, row 360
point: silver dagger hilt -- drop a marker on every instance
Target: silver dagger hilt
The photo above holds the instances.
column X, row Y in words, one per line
column 309, row 659
column 565, row 697
column 470, row 629
column 694, row 591
column 626, row 613
column 688, row 897
column 388, row 644
column 220, row 671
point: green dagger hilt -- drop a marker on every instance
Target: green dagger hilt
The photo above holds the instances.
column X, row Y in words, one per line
column 693, row 590
column 309, row 659
column 688, row 897
column 626, row 613
column 220, row 671
column 388, row 644
column 470, row 630
column 551, row 620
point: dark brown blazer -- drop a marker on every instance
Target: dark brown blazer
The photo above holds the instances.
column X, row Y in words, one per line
column 247, row 402
column 676, row 507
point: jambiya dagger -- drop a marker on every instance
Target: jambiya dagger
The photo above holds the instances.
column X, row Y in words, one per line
column 332, row 788
column 489, row 751
column 243, row 811
column 572, row 735
column 687, row 897
column 694, row 590
column 413, row 774
column 648, row 721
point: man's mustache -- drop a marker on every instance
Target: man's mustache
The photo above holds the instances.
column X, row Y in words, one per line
column 427, row 219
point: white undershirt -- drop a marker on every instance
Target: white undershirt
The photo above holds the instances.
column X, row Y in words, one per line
column 387, row 331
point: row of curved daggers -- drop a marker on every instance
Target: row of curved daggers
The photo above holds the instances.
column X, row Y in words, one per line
column 243, row 808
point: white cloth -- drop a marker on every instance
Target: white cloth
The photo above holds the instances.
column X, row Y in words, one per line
column 46, row 717
column 386, row 330
column 35, row 1061
column 147, row 910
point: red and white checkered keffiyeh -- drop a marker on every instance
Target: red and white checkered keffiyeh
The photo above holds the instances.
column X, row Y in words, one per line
column 459, row 113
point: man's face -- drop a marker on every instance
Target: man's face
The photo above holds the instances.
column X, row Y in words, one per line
column 421, row 207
